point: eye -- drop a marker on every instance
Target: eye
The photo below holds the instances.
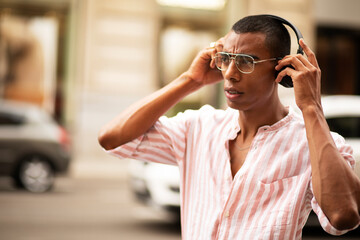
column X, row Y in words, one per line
column 244, row 60
column 224, row 58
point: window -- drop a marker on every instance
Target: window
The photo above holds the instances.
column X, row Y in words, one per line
column 338, row 51
column 348, row 127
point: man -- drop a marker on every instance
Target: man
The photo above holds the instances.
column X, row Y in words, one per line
column 256, row 169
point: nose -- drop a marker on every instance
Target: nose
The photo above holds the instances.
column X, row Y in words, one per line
column 232, row 73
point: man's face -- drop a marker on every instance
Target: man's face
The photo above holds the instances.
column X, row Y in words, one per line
column 253, row 90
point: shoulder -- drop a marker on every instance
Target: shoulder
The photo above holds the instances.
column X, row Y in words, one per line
column 296, row 121
column 206, row 112
column 207, row 116
column 211, row 116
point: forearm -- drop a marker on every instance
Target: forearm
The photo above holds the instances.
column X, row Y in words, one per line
column 336, row 187
column 139, row 117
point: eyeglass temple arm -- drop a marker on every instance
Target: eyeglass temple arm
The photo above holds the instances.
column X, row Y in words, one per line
column 270, row 59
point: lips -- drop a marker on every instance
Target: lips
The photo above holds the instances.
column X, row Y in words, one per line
column 232, row 93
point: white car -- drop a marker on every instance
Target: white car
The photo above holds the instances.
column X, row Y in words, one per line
column 158, row 184
column 342, row 113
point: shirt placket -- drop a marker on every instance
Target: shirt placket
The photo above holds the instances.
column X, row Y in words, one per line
column 226, row 215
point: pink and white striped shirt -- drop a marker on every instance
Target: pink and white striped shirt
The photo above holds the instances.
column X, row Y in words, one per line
column 271, row 195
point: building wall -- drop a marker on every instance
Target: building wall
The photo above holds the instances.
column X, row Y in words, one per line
column 119, row 43
column 343, row 13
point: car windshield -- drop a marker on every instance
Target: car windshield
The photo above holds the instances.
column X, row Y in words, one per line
column 10, row 119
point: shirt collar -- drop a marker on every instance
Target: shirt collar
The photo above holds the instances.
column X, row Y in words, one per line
column 235, row 127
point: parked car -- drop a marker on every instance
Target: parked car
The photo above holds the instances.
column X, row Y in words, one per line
column 33, row 147
column 342, row 113
column 158, row 184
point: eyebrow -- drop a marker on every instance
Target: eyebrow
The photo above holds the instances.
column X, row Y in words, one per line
column 252, row 55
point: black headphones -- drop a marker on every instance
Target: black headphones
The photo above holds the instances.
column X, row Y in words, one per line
column 286, row 80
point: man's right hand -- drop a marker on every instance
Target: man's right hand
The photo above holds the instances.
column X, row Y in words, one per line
column 203, row 70
column 136, row 119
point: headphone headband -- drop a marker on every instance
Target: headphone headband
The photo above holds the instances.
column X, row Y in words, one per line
column 292, row 26
column 286, row 81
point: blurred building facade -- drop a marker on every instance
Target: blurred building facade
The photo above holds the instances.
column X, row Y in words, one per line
column 101, row 56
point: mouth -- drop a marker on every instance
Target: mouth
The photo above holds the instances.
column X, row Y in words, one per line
column 232, row 93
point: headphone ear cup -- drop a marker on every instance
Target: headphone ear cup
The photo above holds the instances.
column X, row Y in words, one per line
column 286, row 81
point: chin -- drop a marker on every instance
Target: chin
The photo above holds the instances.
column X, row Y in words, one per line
column 236, row 106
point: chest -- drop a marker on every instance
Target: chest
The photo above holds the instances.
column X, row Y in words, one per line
column 267, row 157
column 238, row 183
column 237, row 156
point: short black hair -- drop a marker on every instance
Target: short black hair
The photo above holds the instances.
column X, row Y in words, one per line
column 277, row 38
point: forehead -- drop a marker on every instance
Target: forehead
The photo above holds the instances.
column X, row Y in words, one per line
column 247, row 43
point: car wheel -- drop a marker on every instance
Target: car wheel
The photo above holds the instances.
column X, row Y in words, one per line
column 36, row 174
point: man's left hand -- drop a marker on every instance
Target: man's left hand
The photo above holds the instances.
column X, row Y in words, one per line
column 306, row 77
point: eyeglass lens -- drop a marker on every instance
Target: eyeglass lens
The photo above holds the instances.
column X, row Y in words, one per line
column 243, row 63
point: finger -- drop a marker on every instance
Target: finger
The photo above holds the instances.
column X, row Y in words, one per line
column 211, row 46
column 212, row 63
column 215, row 47
column 286, row 72
column 309, row 53
column 211, row 54
column 288, row 61
column 305, row 61
column 292, row 60
column 219, row 45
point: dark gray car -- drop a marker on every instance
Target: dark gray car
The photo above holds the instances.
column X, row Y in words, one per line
column 33, row 147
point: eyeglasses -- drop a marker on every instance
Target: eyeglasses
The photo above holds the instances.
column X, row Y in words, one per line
column 244, row 63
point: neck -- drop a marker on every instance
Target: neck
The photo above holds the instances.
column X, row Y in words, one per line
column 251, row 120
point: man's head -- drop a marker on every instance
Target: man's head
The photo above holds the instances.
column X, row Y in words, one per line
column 277, row 38
column 264, row 39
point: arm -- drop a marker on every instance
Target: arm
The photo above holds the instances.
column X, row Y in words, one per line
column 139, row 117
column 336, row 187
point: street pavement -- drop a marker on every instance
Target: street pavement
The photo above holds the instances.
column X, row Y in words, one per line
column 92, row 202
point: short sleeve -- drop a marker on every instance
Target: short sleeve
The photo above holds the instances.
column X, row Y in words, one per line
column 346, row 151
column 164, row 142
